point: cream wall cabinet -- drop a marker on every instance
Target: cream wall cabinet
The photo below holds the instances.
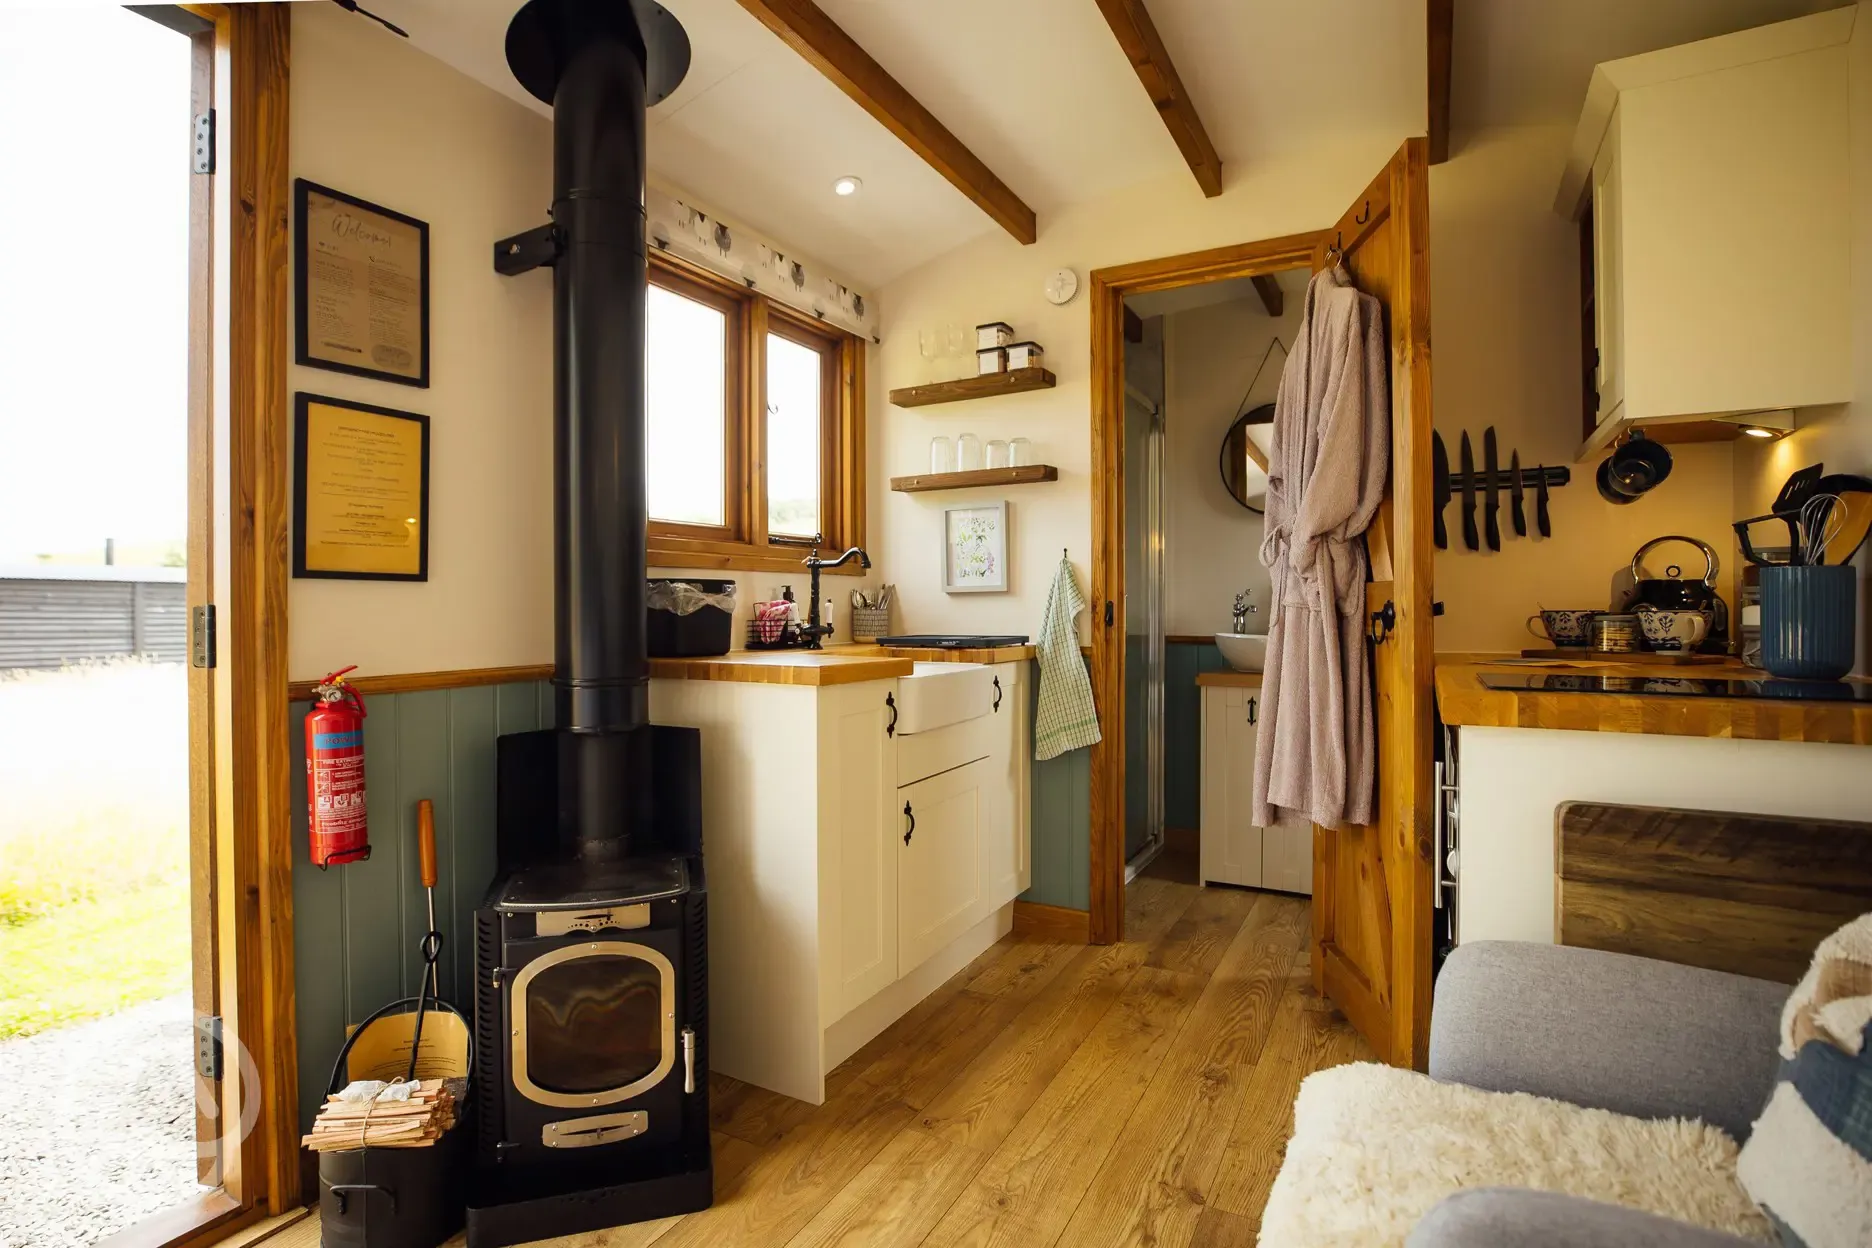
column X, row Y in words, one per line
column 1711, row 170
column 825, row 924
column 1233, row 850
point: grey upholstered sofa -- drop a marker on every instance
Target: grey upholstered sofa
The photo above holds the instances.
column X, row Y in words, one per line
column 1650, row 1039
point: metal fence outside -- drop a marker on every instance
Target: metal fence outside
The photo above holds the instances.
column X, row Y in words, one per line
column 58, row 614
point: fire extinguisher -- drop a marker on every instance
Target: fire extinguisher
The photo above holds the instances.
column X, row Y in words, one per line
column 335, row 811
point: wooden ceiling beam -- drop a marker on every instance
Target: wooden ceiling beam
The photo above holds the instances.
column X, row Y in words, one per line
column 805, row 28
column 1271, row 296
column 1137, row 35
column 1441, row 16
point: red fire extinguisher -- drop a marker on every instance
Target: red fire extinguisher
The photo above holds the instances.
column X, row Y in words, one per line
column 335, row 774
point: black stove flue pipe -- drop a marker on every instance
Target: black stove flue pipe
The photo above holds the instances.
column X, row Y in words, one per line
column 600, row 64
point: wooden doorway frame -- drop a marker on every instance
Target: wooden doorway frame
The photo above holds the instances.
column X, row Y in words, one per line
column 1110, row 286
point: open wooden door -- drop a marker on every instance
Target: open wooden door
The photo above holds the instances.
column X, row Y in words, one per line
column 1372, row 898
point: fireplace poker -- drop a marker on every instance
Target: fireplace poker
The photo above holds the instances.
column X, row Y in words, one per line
column 431, row 946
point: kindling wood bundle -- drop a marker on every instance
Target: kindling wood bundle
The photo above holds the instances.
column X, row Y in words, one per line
column 416, row 1123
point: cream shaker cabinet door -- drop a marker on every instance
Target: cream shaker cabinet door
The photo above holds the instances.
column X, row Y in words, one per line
column 863, row 872
column 1608, row 275
column 1006, row 853
column 939, row 827
column 1287, row 855
column 1230, row 845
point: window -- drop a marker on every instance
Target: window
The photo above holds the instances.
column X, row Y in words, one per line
column 753, row 426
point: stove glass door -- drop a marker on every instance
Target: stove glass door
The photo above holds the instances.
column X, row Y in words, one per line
column 593, row 1023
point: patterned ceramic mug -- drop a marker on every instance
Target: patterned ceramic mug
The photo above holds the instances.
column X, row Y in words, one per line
column 1672, row 632
column 1562, row 628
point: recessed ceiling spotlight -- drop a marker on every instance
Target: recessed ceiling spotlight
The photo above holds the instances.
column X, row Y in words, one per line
column 847, row 185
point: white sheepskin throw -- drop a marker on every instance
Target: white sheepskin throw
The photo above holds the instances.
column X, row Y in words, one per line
column 1375, row 1148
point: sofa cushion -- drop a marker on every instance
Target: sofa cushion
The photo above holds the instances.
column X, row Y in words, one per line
column 1809, row 1159
column 1375, row 1148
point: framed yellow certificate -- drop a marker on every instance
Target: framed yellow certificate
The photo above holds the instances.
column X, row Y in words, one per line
column 360, row 491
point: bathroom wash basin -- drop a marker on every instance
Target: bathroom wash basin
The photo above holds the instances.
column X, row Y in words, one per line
column 935, row 695
column 1245, row 652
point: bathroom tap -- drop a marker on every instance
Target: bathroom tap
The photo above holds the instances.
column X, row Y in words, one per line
column 814, row 630
column 1243, row 609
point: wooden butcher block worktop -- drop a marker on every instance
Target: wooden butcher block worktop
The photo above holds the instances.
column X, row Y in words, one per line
column 1462, row 700
column 843, row 664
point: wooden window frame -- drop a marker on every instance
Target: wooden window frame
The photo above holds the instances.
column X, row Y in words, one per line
column 743, row 542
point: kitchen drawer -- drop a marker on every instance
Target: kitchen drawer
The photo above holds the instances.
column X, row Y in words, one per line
column 926, row 754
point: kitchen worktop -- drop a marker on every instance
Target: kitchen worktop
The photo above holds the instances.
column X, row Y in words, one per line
column 1228, row 678
column 843, row 664
column 1462, row 700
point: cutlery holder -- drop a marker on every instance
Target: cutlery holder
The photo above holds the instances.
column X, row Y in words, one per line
column 869, row 623
column 1807, row 620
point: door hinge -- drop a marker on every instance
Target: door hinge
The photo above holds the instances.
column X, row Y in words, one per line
column 208, row 1047
column 204, row 143
column 202, row 636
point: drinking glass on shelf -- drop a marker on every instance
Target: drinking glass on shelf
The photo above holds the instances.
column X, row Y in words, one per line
column 1020, row 453
column 997, row 453
column 968, row 453
column 942, row 455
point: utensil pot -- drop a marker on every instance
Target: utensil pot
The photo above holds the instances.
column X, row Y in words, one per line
column 1807, row 616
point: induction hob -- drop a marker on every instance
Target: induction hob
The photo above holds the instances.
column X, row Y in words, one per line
column 952, row 641
column 1681, row 686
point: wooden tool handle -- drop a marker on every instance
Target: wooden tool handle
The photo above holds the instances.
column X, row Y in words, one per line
column 425, row 840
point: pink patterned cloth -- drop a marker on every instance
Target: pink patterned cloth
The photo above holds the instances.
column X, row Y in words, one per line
column 1314, row 753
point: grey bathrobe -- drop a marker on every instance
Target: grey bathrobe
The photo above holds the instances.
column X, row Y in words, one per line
column 1314, row 753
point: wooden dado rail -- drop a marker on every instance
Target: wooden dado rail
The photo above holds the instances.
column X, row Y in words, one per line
column 421, row 682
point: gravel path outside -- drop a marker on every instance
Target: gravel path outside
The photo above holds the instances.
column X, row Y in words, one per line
column 97, row 1125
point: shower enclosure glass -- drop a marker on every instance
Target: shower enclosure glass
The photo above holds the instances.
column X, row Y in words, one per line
column 1144, row 629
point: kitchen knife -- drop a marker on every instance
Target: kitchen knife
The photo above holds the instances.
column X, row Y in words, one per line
column 1491, row 514
column 1541, row 524
column 1516, row 511
column 1468, row 496
column 1439, row 458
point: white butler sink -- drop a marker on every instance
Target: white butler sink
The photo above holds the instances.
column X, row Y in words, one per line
column 935, row 695
column 1246, row 652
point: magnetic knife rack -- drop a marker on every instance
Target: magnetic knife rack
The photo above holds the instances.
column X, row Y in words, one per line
column 1504, row 479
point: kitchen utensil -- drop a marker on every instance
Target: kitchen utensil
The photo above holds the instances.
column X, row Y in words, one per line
column 1491, row 514
column 858, row 600
column 1469, row 536
column 1439, row 464
column 1670, row 631
column 1564, row 628
column 1614, row 633
column 1542, row 524
column 1799, row 486
column 1820, row 522
column 1516, row 512
column 1795, row 491
column 942, row 455
column 1855, row 508
column 1808, row 620
column 1634, row 468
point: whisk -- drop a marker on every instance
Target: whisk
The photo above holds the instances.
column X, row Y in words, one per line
column 1821, row 519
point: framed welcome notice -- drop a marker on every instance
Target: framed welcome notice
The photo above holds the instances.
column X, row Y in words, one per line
column 360, row 286
column 360, row 491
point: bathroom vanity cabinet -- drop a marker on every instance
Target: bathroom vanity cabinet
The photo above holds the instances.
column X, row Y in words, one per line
column 1235, row 850
column 853, row 865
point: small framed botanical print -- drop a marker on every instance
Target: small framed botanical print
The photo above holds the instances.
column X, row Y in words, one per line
column 975, row 559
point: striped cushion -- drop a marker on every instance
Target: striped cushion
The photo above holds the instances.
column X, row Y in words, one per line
column 1809, row 1161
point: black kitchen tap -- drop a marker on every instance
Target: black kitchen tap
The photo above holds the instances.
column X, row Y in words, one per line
column 814, row 630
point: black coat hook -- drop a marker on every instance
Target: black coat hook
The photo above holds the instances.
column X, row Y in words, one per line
column 1364, row 214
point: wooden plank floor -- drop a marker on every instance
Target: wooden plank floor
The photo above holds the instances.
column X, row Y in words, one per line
column 1138, row 1093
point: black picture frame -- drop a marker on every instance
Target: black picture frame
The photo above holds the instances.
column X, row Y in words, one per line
column 302, row 353
column 302, row 402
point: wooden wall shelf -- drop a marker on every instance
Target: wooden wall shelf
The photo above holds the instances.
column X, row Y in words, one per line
column 1014, row 381
column 1024, row 475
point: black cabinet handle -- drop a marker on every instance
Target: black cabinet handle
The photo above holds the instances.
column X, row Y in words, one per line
column 1252, row 717
column 997, row 685
column 911, row 816
column 890, row 729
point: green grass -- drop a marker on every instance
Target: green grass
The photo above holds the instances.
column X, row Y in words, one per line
column 94, row 958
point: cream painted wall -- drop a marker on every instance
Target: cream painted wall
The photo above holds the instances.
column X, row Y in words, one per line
column 374, row 118
column 1212, row 544
column 995, row 278
column 1505, row 341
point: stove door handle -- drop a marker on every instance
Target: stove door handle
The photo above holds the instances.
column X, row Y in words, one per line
column 688, row 1059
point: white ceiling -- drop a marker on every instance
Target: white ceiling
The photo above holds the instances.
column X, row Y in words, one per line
column 1039, row 90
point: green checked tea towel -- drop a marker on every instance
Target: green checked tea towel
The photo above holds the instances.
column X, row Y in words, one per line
column 1067, row 719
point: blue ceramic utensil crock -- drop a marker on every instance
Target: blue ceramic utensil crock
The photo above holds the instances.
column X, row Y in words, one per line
column 1807, row 619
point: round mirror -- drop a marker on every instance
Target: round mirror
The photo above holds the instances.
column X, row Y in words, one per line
column 1245, row 456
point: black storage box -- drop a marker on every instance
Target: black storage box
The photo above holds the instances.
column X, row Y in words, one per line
column 394, row 1197
column 706, row 630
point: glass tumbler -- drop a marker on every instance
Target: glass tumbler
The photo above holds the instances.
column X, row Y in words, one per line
column 968, row 453
column 1020, row 453
column 998, row 454
column 942, row 455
